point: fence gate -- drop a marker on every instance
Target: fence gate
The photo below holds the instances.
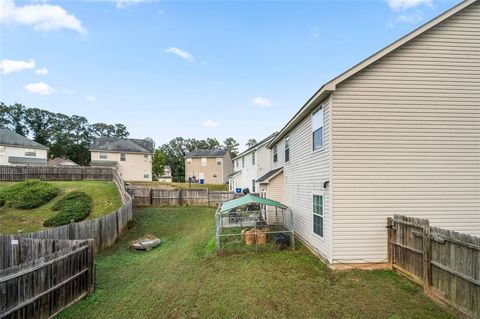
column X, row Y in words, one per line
column 444, row 262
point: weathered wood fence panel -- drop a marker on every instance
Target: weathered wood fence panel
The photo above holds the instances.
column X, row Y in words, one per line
column 43, row 272
column 42, row 287
column 444, row 262
column 144, row 196
column 20, row 173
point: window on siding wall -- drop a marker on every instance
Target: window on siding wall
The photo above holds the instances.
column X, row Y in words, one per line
column 103, row 156
column 243, row 161
column 203, row 161
column 287, row 148
column 253, row 158
column 146, row 174
column 219, row 161
column 30, row 152
column 275, row 154
column 122, row 157
column 214, row 175
column 318, row 215
column 236, row 163
column 317, row 129
column 253, row 186
column 189, row 161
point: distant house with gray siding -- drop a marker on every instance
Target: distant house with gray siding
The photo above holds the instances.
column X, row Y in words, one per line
column 16, row 149
column 399, row 133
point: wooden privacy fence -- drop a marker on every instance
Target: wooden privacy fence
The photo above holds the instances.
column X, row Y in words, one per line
column 144, row 196
column 43, row 272
column 444, row 262
column 49, row 281
column 46, row 173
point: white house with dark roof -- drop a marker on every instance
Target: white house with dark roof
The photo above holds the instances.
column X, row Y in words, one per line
column 131, row 157
column 16, row 149
column 250, row 165
column 208, row 166
column 397, row 133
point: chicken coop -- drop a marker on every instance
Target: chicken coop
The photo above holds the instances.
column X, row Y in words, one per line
column 252, row 223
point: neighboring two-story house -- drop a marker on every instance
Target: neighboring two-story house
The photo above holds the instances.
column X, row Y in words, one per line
column 131, row 157
column 396, row 134
column 16, row 149
column 250, row 165
column 208, row 166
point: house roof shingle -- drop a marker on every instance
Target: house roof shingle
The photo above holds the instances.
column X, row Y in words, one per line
column 265, row 140
column 8, row 137
column 207, row 153
column 269, row 175
column 115, row 144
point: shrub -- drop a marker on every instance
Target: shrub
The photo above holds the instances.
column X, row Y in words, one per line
column 74, row 205
column 28, row 194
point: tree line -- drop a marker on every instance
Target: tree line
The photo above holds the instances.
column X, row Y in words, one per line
column 66, row 136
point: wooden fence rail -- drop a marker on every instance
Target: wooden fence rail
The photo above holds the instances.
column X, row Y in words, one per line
column 145, row 196
column 444, row 262
column 43, row 272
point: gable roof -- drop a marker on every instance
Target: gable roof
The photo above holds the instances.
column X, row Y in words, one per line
column 115, row 144
column 329, row 87
column 207, row 153
column 8, row 137
column 251, row 148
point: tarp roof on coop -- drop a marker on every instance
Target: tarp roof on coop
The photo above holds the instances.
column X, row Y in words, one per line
column 246, row 200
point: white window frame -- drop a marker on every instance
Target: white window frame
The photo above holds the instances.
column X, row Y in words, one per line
column 253, row 157
column 287, row 148
column 103, row 155
column 219, row 160
column 189, row 160
column 124, row 156
column 214, row 175
column 275, row 154
column 322, row 195
column 146, row 174
column 243, row 161
column 317, row 127
column 203, row 162
column 237, row 163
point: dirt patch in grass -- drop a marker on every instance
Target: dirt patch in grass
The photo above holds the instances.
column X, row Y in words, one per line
column 183, row 279
column 105, row 199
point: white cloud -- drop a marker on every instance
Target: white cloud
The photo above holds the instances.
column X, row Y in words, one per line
column 210, row 123
column 125, row 3
column 261, row 101
column 43, row 17
column 90, row 98
column 67, row 91
column 42, row 71
column 39, row 88
column 181, row 53
column 407, row 4
column 11, row 66
column 409, row 18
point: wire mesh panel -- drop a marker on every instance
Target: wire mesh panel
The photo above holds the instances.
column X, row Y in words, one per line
column 254, row 228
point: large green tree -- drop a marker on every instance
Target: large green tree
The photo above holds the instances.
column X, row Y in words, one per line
column 158, row 163
column 231, row 145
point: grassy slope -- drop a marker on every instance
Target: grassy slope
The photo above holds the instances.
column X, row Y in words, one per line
column 211, row 187
column 105, row 200
column 183, row 279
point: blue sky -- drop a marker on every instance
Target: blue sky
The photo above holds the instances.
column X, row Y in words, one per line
column 190, row 68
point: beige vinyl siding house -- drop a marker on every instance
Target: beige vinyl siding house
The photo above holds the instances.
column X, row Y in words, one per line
column 131, row 157
column 402, row 136
column 209, row 166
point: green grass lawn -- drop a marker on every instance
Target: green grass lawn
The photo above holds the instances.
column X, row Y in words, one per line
column 104, row 194
column 184, row 279
column 211, row 187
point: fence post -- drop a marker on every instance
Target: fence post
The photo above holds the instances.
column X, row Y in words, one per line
column 151, row 196
column 427, row 250
column 71, row 229
column 389, row 242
